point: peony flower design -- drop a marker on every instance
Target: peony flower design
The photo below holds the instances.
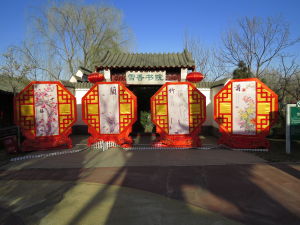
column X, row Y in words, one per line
column 247, row 116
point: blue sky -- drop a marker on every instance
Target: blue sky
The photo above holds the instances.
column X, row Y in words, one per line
column 160, row 25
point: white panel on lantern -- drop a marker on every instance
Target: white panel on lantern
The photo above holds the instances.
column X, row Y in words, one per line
column 46, row 111
column 109, row 108
column 244, row 108
column 178, row 109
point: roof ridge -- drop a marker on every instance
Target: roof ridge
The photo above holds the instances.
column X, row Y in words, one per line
column 148, row 53
column 147, row 60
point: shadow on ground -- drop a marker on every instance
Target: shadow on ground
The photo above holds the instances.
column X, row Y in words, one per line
column 157, row 195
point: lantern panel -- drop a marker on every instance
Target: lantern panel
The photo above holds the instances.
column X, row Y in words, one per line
column 45, row 112
column 223, row 106
column 127, row 108
column 159, row 104
column 267, row 107
column 66, row 108
column 197, row 108
column 245, row 109
column 91, row 111
column 178, row 109
column 24, row 111
column 109, row 109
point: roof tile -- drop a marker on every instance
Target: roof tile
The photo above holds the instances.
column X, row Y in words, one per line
column 147, row 60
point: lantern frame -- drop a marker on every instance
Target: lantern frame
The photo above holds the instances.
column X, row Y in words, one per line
column 241, row 141
column 122, row 138
column 33, row 142
column 178, row 140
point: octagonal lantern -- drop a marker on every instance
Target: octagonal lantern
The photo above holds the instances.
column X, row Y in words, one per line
column 178, row 110
column 245, row 109
column 109, row 109
column 45, row 112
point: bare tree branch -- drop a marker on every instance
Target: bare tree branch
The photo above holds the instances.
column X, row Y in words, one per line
column 77, row 35
column 207, row 60
column 257, row 42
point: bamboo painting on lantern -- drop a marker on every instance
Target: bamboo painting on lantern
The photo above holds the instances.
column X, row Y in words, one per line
column 178, row 109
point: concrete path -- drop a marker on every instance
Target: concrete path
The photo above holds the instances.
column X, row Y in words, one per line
column 66, row 203
column 149, row 187
column 119, row 158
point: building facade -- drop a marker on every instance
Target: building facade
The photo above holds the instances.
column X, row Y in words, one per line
column 144, row 74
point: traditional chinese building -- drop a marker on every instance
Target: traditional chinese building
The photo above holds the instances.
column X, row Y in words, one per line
column 144, row 74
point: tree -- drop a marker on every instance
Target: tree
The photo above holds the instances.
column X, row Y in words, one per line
column 242, row 71
column 73, row 35
column 14, row 70
column 46, row 67
column 284, row 80
column 257, row 42
column 206, row 59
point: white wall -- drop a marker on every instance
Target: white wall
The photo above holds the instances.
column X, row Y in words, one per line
column 214, row 91
column 183, row 74
column 206, row 92
column 79, row 93
column 209, row 94
column 73, row 79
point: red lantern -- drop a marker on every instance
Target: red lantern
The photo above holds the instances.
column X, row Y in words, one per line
column 194, row 77
column 95, row 77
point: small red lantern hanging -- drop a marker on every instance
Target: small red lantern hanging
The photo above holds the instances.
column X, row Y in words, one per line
column 95, row 77
column 194, row 77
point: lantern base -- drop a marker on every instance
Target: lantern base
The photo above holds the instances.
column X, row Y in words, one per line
column 123, row 140
column 244, row 142
column 177, row 141
column 47, row 143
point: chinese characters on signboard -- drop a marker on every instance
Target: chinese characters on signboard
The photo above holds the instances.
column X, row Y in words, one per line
column 295, row 122
column 146, row 77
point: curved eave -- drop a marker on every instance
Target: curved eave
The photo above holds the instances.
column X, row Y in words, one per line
column 144, row 67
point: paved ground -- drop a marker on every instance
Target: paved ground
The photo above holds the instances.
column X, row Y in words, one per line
column 61, row 202
column 150, row 187
column 121, row 158
column 249, row 194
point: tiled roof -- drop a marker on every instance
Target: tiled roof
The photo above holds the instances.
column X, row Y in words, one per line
column 83, row 85
column 211, row 84
column 147, row 60
column 78, row 85
column 67, row 83
column 77, row 78
column 7, row 84
column 208, row 84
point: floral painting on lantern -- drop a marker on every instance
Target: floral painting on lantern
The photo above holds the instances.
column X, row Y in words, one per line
column 46, row 111
column 244, row 108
